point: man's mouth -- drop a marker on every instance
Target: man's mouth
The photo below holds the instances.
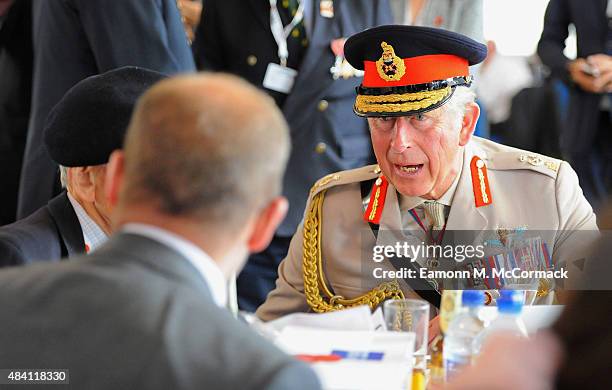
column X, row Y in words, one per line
column 410, row 169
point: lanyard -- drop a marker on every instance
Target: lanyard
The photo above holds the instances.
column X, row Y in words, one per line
column 428, row 233
column 281, row 33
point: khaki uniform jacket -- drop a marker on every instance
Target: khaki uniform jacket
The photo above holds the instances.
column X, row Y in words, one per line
column 527, row 190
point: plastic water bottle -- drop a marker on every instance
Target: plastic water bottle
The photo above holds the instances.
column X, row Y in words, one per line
column 509, row 307
column 461, row 333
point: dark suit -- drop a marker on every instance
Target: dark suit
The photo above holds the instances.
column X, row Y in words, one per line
column 134, row 314
column 15, row 94
column 579, row 139
column 50, row 234
column 235, row 36
column 74, row 39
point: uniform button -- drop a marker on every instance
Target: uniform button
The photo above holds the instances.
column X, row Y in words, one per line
column 323, row 104
column 251, row 60
column 321, row 148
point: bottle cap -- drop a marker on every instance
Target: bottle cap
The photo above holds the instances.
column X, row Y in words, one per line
column 472, row 298
column 510, row 301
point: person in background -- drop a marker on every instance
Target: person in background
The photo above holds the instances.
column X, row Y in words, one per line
column 311, row 83
column 81, row 132
column 74, row 39
column 15, row 94
column 461, row 16
column 500, row 78
column 586, row 139
column 196, row 189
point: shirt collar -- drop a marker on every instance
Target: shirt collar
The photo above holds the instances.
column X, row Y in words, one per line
column 93, row 235
column 410, row 202
column 208, row 269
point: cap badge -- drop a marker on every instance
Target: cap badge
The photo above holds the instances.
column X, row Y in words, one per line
column 390, row 67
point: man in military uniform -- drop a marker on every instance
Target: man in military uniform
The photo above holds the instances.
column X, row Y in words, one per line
column 433, row 176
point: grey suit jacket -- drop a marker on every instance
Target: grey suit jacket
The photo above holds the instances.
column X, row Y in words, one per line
column 134, row 315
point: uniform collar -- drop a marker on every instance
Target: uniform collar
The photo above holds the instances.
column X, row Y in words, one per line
column 93, row 235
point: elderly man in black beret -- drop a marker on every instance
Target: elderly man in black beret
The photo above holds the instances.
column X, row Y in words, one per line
column 81, row 132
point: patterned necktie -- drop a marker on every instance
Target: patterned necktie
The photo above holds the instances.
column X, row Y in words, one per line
column 434, row 212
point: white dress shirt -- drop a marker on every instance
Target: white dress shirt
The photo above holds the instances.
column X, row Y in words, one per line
column 210, row 271
column 93, row 235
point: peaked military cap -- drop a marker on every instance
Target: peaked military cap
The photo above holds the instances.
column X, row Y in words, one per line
column 410, row 69
column 90, row 121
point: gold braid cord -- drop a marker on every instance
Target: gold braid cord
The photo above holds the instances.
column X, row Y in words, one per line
column 318, row 295
column 400, row 102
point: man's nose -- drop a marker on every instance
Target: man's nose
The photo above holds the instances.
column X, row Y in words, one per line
column 402, row 135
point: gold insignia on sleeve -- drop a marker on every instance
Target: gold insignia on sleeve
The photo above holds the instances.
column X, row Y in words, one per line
column 390, row 67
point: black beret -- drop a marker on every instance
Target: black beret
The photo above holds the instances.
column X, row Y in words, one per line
column 90, row 121
column 410, row 69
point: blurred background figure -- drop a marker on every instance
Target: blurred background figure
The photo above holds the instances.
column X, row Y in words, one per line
column 74, row 39
column 461, row 16
column 500, row 78
column 15, row 95
column 80, row 134
column 297, row 59
column 586, row 139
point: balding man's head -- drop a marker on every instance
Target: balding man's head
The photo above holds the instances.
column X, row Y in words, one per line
column 205, row 147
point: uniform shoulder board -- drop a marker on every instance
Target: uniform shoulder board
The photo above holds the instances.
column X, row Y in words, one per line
column 345, row 177
column 524, row 160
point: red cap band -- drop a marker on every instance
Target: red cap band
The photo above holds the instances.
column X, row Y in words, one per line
column 419, row 70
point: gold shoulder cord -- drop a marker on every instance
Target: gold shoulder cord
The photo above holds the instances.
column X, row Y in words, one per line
column 314, row 280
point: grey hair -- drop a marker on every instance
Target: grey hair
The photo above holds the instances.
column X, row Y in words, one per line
column 63, row 176
column 458, row 103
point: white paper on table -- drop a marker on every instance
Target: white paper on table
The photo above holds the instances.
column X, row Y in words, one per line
column 392, row 372
column 357, row 318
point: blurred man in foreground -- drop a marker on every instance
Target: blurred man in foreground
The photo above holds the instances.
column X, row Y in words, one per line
column 195, row 190
column 82, row 131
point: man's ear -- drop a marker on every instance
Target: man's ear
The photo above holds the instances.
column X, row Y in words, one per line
column 266, row 223
column 81, row 184
column 114, row 177
column 468, row 124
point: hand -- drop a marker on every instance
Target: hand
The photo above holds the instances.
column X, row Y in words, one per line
column 508, row 362
column 337, row 46
column 603, row 64
column 582, row 79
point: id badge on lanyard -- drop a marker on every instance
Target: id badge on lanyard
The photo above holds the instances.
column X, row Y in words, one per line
column 281, row 78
